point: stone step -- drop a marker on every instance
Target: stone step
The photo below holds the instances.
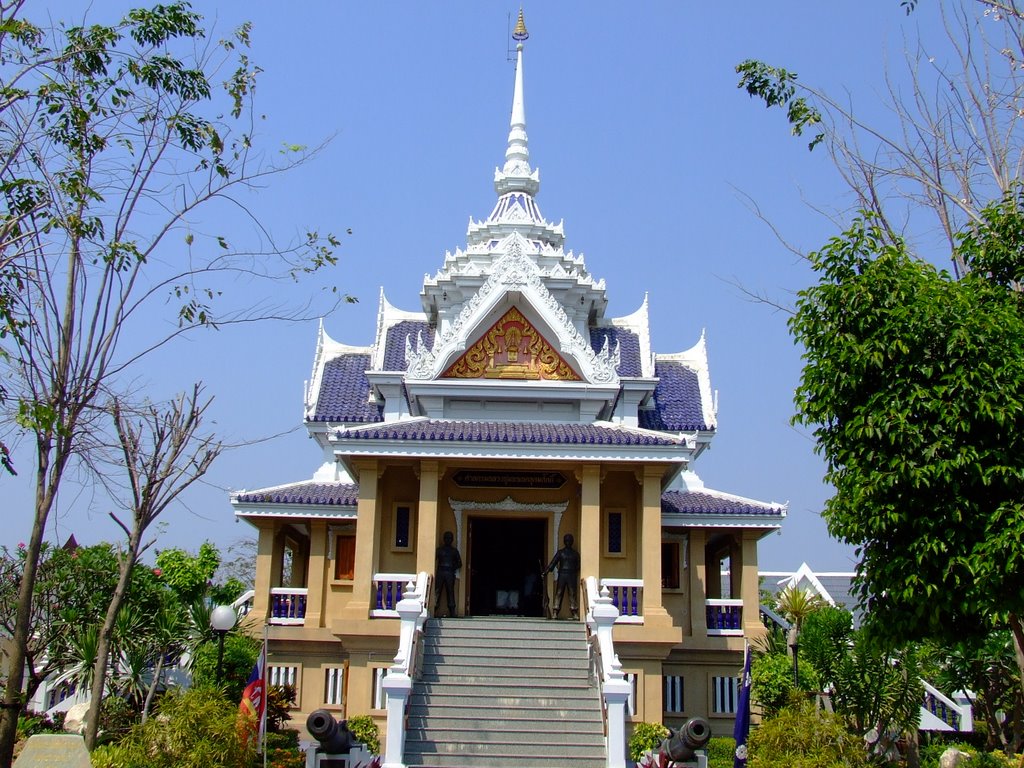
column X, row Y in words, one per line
column 514, row 760
column 505, row 677
column 521, row 667
column 547, row 642
column 509, row 747
column 556, row 708
column 454, row 708
column 518, row 720
column 593, row 737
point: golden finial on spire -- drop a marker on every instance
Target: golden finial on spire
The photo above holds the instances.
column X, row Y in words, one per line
column 520, row 33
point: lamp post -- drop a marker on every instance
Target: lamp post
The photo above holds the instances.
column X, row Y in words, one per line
column 222, row 620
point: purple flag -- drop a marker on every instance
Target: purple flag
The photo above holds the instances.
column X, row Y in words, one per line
column 742, row 727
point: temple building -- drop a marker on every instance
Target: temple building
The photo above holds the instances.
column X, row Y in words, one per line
column 510, row 410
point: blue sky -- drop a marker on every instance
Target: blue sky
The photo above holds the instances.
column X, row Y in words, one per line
column 646, row 149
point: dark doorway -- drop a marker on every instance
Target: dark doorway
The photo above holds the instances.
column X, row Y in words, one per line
column 506, row 557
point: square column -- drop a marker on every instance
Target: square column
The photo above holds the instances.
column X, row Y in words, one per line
column 315, row 573
column 266, row 555
column 750, row 588
column 650, row 548
column 426, row 524
column 697, row 586
column 590, row 521
column 367, row 542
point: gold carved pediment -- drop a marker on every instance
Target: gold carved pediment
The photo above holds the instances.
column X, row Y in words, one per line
column 511, row 349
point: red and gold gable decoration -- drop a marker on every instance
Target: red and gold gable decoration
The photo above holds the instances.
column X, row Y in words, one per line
column 511, row 349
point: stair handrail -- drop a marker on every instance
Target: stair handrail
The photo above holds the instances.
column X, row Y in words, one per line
column 615, row 689
column 397, row 683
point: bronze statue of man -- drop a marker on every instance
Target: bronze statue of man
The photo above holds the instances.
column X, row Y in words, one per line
column 567, row 561
column 446, row 562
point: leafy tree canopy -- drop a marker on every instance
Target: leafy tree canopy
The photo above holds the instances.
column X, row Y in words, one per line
column 914, row 386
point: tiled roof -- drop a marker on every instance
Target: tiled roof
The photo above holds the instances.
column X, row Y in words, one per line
column 700, row 503
column 345, row 393
column 394, row 346
column 546, row 433
column 335, row 494
column 677, row 400
column 629, row 347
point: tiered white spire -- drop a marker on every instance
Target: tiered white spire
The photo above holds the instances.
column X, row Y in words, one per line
column 516, row 176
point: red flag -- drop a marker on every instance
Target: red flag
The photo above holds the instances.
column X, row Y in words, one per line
column 254, row 702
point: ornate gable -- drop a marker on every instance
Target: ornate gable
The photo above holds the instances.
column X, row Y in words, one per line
column 512, row 349
column 514, row 272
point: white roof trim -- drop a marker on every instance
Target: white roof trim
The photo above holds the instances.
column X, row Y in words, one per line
column 805, row 572
column 327, row 349
column 388, row 315
column 696, row 359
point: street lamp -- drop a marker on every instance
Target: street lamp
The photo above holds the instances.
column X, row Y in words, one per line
column 222, row 620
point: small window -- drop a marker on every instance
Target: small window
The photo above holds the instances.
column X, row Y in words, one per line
column 672, row 694
column 334, row 686
column 402, row 528
column 345, row 556
column 613, row 532
column 670, row 565
column 281, row 675
column 380, row 699
column 725, row 695
column 631, row 678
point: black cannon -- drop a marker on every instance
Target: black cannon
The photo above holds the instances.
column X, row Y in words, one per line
column 682, row 746
column 335, row 738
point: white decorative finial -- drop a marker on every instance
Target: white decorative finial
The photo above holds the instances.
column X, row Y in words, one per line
column 516, row 175
column 517, row 156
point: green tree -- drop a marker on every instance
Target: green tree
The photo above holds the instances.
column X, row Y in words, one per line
column 913, row 383
column 186, row 574
column 115, row 138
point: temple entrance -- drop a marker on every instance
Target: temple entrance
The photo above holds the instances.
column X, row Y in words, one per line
column 506, row 556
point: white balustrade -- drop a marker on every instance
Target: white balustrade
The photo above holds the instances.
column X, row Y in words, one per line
column 387, row 593
column 615, row 689
column 397, row 683
column 627, row 595
column 725, row 617
column 288, row 605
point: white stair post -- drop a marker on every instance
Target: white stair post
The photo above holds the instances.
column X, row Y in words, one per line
column 614, row 686
column 397, row 683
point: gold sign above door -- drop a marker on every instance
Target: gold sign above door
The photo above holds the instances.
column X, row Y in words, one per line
column 511, row 349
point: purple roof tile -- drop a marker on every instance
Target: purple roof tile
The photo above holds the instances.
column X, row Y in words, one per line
column 543, row 433
column 629, row 347
column 345, row 392
column 333, row 494
column 677, row 402
column 394, row 346
column 698, row 503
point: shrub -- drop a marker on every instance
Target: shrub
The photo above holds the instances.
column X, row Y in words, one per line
column 772, row 682
column 802, row 736
column 721, row 752
column 645, row 736
column 194, row 729
column 365, row 731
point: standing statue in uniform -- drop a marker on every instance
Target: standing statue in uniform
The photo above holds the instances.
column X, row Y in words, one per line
column 567, row 561
column 446, row 562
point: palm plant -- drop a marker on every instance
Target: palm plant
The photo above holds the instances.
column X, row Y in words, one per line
column 796, row 605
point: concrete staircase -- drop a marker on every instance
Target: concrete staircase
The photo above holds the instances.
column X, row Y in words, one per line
column 497, row 692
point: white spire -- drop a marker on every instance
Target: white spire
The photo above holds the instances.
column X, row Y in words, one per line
column 516, row 175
